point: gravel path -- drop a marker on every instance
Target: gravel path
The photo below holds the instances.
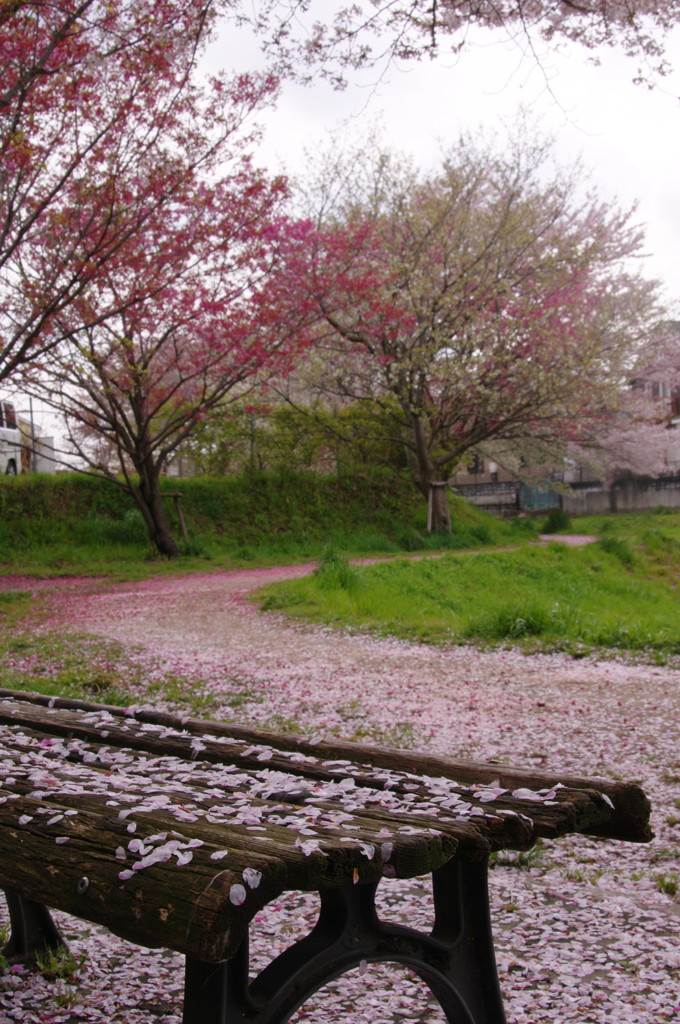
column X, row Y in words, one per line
column 586, row 931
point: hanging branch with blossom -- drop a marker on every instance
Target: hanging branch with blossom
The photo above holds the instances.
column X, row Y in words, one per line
column 92, row 95
column 342, row 37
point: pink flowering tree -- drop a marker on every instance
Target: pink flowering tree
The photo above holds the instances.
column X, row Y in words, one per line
column 638, row 438
column 186, row 337
column 133, row 229
column 486, row 301
column 93, row 95
column 170, row 326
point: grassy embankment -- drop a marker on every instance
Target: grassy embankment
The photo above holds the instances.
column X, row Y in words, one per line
column 619, row 594
column 68, row 524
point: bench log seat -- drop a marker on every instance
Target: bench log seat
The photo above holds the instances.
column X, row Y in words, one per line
column 174, row 832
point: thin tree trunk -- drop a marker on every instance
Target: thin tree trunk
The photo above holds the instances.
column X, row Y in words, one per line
column 439, row 515
column 150, row 503
column 425, row 477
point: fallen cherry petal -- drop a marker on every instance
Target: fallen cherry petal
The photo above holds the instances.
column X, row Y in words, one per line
column 237, row 894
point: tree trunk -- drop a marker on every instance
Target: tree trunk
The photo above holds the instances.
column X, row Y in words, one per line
column 425, row 474
column 438, row 513
column 150, row 503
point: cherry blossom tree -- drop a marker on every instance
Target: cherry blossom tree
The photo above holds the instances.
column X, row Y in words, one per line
column 93, row 94
column 168, row 325
column 639, row 438
column 133, row 228
column 340, row 37
column 487, row 300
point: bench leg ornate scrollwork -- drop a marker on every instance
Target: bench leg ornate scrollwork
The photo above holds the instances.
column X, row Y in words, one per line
column 456, row 960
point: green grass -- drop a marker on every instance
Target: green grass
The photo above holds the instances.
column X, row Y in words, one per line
column 619, row 593
column 85, row 668
column 73, row 525
column 668, row 883
column 41, row 660
column 60, row 964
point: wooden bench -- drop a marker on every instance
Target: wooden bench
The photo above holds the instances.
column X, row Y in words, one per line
column 174, row 832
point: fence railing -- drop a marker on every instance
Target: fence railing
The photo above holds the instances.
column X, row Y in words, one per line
column 583, row 498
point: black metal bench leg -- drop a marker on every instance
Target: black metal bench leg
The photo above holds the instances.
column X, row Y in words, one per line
column 216, row 993
column 456, row 961
column 463, row 922
column 33, row 932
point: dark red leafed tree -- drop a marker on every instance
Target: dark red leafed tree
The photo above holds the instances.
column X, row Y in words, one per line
column 91, row 93
column 170, row 328
column 135, row 231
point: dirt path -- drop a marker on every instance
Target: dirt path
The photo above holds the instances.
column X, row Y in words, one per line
column 584, row 933
column 203, row 626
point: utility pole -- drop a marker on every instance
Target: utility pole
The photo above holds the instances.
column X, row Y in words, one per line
column 31, row 457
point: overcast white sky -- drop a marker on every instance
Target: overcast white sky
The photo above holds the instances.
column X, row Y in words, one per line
column 628, row 135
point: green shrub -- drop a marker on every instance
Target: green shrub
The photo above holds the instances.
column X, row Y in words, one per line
column 618, row 549
column 511, row 623
column 524, row 526
column 335, row 572
column 409, row 539
column 556, row 521
column 481, row 533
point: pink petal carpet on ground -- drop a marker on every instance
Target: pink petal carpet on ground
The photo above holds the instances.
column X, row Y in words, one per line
column 586, row 931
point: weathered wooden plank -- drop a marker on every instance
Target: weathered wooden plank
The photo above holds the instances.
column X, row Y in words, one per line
column 630, row 810
column 316, row 852
column 418, row 843
column 405, row 804
column 187, row 902
column 629, row 819
column 564, row 811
